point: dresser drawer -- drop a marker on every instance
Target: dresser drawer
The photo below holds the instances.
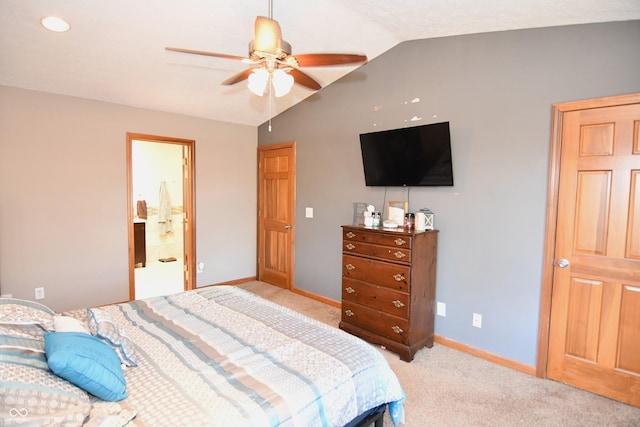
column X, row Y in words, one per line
column 394, row 240
column 376, row 297
column 394, row 276
column 385, row 252
column 382, row 324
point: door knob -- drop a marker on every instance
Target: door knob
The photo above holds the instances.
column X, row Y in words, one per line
column 287, row 227
column 563, row 263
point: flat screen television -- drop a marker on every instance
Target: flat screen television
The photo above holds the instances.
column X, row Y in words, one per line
column 414, row 156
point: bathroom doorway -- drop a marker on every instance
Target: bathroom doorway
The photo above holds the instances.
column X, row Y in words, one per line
column 161, row 206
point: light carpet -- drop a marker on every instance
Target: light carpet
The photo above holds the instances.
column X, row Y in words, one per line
column 446, row 387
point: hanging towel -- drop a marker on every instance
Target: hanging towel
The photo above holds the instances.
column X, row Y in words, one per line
column 141, row 209
column 164, row 209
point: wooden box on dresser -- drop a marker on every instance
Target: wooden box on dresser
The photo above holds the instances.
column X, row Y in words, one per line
column 388, row 287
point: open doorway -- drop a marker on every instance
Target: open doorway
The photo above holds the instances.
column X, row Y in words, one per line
column 161, row 237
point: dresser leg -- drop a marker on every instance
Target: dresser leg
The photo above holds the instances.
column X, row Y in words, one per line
column 406, row 356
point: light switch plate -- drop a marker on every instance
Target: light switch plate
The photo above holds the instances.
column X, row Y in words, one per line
column 308, row 213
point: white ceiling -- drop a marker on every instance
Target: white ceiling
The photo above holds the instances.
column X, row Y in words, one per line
column 114, row 51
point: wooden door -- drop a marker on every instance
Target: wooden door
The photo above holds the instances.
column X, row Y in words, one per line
column 276, row 208
column 188, row 221
column 594, row 333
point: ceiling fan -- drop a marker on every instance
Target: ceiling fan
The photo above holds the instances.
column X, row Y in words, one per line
column 271, row 60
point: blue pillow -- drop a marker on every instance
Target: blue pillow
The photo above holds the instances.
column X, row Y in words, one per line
column 87, row 362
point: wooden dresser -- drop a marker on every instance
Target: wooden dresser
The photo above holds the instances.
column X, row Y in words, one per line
column 388, row 287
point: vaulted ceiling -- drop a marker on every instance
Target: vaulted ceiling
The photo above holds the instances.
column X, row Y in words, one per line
column 114, row 51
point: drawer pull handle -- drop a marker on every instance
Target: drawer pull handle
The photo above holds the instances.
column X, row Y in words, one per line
column 349, row 267
column 400, row 241
column 351, row 235
column 349, row 313
column 399, row 255
column 398, row 277
column 397, row 330
column 350, row 290
column 398, row 303
column 350, row 246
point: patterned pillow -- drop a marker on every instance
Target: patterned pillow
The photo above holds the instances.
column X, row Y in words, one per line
column 22, row 331
column 26, row 314
column 12, row 339
column 103, row 326
column 31, row 394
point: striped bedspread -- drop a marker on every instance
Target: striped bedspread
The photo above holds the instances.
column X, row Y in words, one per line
column 224, row 356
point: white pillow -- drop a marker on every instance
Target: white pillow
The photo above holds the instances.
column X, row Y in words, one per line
column 69, row 324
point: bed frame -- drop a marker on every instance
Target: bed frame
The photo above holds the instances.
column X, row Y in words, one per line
column 373, row 417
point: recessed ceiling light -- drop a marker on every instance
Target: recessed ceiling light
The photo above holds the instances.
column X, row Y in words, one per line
column 56, row 24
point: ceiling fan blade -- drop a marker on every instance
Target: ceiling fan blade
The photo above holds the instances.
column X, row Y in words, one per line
column 268, row 36
column 304, row 79
column 237, row 78
column 324, row 59
column 200, row 52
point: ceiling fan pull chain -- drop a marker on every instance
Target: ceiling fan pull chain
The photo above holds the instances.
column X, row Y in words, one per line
column 270, row 102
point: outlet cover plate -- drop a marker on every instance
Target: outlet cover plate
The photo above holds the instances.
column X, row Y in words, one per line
column 441, row 309
column 477, row 320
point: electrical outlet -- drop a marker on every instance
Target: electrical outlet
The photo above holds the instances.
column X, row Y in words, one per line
column 477, row 320
column 441, row 309
column 39, row 293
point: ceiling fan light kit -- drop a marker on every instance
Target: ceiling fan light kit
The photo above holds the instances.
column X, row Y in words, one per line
column 258, row 81
column 271, row 61
column 280, row 80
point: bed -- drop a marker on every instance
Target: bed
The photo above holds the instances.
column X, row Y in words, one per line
column 213, row 356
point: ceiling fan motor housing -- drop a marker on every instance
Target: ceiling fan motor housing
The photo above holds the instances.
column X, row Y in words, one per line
column 280, row 53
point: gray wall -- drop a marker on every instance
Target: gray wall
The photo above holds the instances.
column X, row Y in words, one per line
column 496, row 90
column 63, row 196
